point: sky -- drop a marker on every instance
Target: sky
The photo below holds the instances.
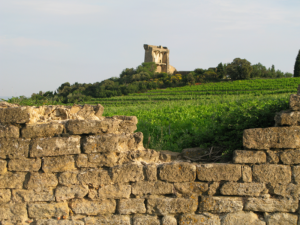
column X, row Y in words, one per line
column 44, row 43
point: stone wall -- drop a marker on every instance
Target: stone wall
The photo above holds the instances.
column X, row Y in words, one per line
column 72, row 166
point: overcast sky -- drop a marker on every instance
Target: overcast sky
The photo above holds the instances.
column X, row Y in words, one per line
column 44, row 43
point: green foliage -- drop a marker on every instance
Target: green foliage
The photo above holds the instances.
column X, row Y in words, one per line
column 221, row 71
column 239, row 69
column 297, row 66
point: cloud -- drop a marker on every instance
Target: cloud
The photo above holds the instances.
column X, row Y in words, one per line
column 25, row 42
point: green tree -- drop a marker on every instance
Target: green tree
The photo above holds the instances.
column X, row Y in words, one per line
column 220, row 71
column 297, row 66
column 190, row 79
column 239, row 69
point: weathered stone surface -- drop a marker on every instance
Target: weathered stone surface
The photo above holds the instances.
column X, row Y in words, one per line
column 281, row 219
column 150, row 171
column 39, row 181
column 147, row 155
column 24, row 164
column 59, row 164
column 47, row 210
column 290, row 157
column 243, row 156
column 294, row 102
column 13, row 148
column 55, row 146
column 272, row 173
column 42, row 130
column 296, row 174
column 287, row 118
column 245, row 218
column 83, row 206
column 70, row 192
column 272, row 138
column 5, row 195
column 130, row 206
column 213, row 188
column 286, row 190
column 127, row 172
column 128, row 123
column 12, row 180
column 205, row 219
column 58, row 222
column 151, row 188
column 94, row 177
column 168, row 220
column 220, row 204
column 177, row 172
column 115, row 191
column 163, row 206
column 104, row 159
column 188, row 189
column 3, row 166
column 15, row 114
column 246, row 174
column 271, row 205
column 21, row 195
column 273, row 156
column 68, row 178
column 82, row 161
column 168, row 156
column 218, row 172
column 145, row 220
column 13, row 212
column 9, row 131
column 244, row 189
column 108, row 220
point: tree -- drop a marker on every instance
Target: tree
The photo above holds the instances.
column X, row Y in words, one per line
column 220, row 71
column 190, row 79
column 297, row 66
column 258, row 70
column 239, row 69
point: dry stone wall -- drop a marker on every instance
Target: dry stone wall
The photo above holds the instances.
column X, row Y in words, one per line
column 72, row 166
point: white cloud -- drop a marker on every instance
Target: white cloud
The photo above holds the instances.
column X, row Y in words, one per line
column 25, row 42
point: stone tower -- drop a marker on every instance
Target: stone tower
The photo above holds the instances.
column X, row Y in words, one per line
column 159, row 55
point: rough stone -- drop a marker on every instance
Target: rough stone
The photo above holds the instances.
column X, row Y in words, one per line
column 128, row 123
column 220, row 204
column 39, row 181
column 271, row 205
column 219, row 172
column 294, row 102
column 290, row 156
column 94, row 177
column 82, row 161
column 58, row 222
column 169, row 220
column 59, row 164
column 42, row 130
column 151, row 188
column 127, row 172
column 83, row 206
column 147, row 156
column 286, row 190
column 272, row 138
column 296, row 174
column 246, row 174
column 70, row 192
column 188, row 189
column 21, row 195
column 47, row 210
column 55, row 146
column 130, row 206
column 13, row 212
column 245, row 218
column 243, row 189
column 108, row 220
column 287, row 118
column 5, row 195
column 273, row 156
column 150, row 171
column 12, row 180
column 9, row 131
column 177, row 172
column 14, row 148
column 68, row 178
column 242, row 156
column 163, row 206
column 272, row 173
column 213, row 188
column 15, row 114
column 281, row 219
column 115, row 191
column 24, row 164
column 205, row 219
column 145, row 220
column 168, row 156
column 104, row 159
column 3, row 166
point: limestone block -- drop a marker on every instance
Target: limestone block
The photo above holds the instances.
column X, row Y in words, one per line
column 219, row 172
column 9, row 131
column 115, row 191
column 68, row 178
column 58, row 222
column 93, row 208
column 14, row 148
column 150, row 171
column 296, row 174
column 205, row 219
column 245, row 218
column 147, row 156
column 70, row 192
column 273, row 156
column 3, row 166
column 246, row 174
column 15, row 114
column 168, row 156
column 151, row 188
column 127, row 124
column 104, row 159
column 290, row 156
column 5, row 195
column 163, row 206
column 272, row 173
column 287, row 118
column 272, row 138
column 145, row 220
column 94, row 177
column 13, row 212
column 127, row 172
column 177, row 172
column 294, row 102
column 12, row 180
column 281, row 219
column 271, row 205
column 47, row 210
column 21, row 195
column 39, row 181
column 243, row 156
column 108, row 220
column 42, row 130
column 169, row 220
column 220, row 204
column 131, row 206
column 59, row 164
column 188, row 189
column 55, row 146
column 82, row 161
column 286, row 190
column 243, row 189
column 213, row 188
column 24, row 164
